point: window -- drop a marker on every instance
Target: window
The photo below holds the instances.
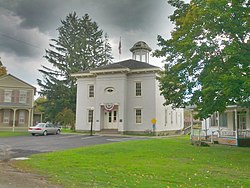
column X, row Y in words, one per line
column 91, row 91
column 114, row 116
column 7, row 95
column 138, row 89
column 166, row 117
column 6, row 117
column 242, row 120
column 21, row 117
column 90, row 116
column 214, row 120
column 223, row 119
column 110, row 117
column 138, row 116
column 172, row 117
column 22, row 96
column 109, row 90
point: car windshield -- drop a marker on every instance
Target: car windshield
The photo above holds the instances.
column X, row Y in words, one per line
column 40, row 125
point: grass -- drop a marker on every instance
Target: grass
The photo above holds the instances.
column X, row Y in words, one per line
column 65, row 130
column 168, row 162
column 11, row 134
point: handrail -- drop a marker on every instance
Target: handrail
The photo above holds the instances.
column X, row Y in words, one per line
column 231, row 133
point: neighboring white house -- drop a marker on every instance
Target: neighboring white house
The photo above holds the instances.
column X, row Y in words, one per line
column 124, row 96
column 234, row 118
column 231, row 127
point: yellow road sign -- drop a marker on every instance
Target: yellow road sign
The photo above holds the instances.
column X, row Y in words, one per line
column 153, row 121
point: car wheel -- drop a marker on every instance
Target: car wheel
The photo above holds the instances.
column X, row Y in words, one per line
column 33, row 134
column 45, row 133
column 58, row 131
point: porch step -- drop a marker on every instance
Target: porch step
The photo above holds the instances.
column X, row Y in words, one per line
column 109, row 131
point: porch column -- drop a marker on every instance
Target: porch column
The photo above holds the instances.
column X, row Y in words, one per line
column 218, row 120
column 14, row 120
column 236, row 126
column 30, row 118
column 41, row 118
column 192, row 123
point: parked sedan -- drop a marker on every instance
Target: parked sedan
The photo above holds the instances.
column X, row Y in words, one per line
column 44, row 129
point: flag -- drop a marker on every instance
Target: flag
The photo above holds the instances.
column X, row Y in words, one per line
column 120, row 46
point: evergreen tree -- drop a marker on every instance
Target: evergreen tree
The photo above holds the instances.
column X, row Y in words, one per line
column 208, row 55
column 80, row 46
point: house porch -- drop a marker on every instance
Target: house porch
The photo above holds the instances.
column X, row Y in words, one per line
column 226, row 137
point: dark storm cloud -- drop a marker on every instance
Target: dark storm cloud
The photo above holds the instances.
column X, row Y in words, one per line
column 18, row 47
column 33, row 13
column 27, row 25
column 126, row 14
column 131, row 19
column 15, row 40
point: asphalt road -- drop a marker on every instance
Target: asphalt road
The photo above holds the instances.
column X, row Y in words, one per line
column 23, row 146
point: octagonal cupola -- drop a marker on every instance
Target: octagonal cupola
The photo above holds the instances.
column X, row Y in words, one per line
column 140, row 51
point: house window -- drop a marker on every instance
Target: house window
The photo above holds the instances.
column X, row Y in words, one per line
column 114, row 116
column 172, row 117
column 166, row 117
column 21, row 117
column 223, row 120
column 22, row 96
column 138, row 89
column 110, row 117
column 7, row 95
column 6, row 117
column 242, row 120
column 214, row 120
column 109, row 90
column 91, row 91
column 138, row 116
column 90, row 115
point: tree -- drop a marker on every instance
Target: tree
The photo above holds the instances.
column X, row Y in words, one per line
column 3, row 70
column 80, row 46
column 39, row 107
column 38, row 104
column 67, row 118
column 207, row 56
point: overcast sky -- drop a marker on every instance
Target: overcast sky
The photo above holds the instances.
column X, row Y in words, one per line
column 26, row 27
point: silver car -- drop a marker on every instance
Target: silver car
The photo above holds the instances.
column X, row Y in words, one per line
column 44, row 129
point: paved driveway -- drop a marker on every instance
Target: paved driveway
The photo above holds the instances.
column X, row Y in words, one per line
column 23, row 146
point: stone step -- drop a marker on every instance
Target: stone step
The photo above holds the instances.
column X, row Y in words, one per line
column 109, row 131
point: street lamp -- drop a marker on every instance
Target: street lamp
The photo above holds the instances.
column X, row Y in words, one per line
column 92, row 119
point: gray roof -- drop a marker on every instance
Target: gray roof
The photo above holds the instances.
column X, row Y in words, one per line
column 130, row 63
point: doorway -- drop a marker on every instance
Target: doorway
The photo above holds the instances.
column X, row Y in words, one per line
column 110, row 119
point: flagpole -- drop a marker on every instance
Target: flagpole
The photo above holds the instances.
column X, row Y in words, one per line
column 120, row 48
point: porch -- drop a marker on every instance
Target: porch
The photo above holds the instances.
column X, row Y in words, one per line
column 227, row 137
column 231, row 127
column 15, row 119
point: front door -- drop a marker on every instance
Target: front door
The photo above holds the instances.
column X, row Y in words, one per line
column 110, row 119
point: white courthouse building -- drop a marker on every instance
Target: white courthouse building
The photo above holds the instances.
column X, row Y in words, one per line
column 125, row 97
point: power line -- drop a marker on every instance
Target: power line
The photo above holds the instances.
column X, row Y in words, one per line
column 26, row 43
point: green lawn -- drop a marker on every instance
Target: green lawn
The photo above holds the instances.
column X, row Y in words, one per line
column 10, row 134
column 159, row 163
